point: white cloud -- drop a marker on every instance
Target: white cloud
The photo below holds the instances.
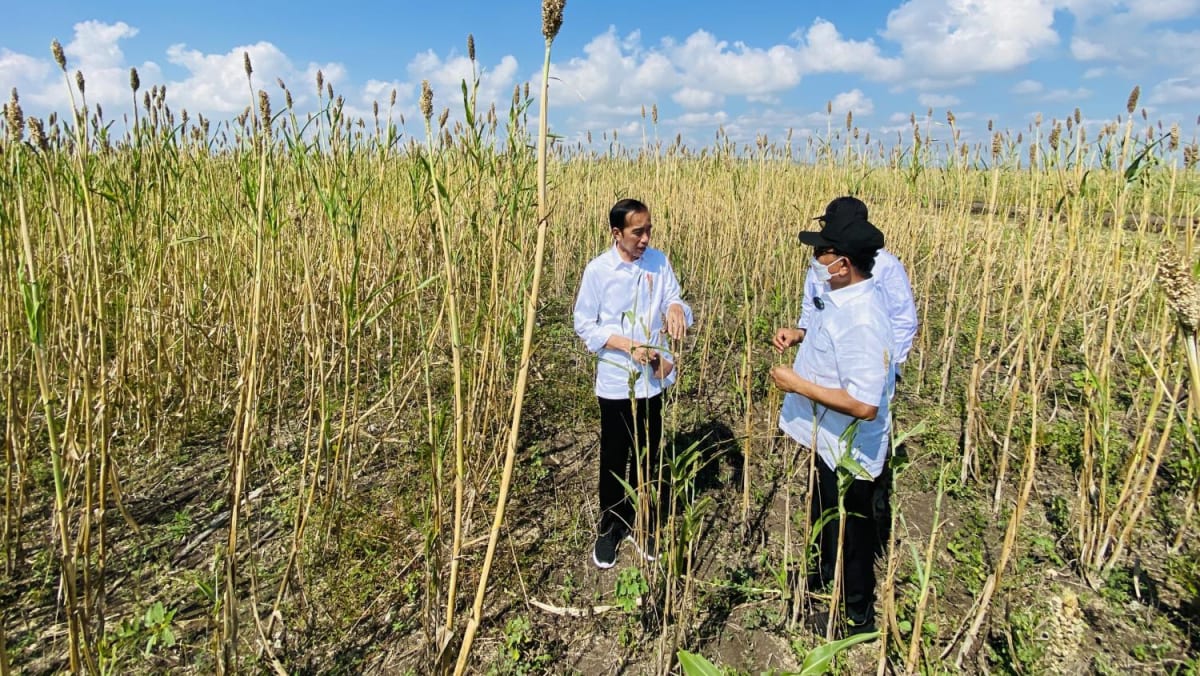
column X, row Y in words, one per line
column 1086, row 50
column 1069, row 95
column 20, row 71
column 695, row 99
column 738, row 69
column 447, row 75
column 1025, row 87
column 1093, row 73
column 1176, row 90
column 96, row 45
column 611, row 71
column 947, row 38
column 95, row 52
column 938, row 100
column 1163, row 10
column 824, row 51
column 217, row 82
column 852, row 101
column 694, row 120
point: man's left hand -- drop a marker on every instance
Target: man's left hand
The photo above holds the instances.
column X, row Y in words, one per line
column 676, row 322
column 785, row 378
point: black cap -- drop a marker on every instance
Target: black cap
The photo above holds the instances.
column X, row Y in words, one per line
column 846, row 229
column 844, row 206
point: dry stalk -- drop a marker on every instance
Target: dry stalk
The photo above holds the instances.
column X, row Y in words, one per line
column 552, row 11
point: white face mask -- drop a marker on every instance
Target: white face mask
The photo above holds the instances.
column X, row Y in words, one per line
column 822, row 271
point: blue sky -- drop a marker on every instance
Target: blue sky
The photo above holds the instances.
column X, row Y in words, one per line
column 749, row 67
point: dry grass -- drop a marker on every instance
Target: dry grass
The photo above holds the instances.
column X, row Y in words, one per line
column 326, row 302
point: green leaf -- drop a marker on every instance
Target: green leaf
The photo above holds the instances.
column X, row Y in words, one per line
column 817, row 661
column 696, row 665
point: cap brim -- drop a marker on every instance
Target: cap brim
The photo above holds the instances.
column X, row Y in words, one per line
column 814, row 239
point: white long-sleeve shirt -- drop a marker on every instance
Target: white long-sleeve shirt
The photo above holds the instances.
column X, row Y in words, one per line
column 891, row 283
column 631, row 300
column 847, row 346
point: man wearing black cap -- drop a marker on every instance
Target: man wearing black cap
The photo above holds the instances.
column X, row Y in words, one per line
column 891, row 282
column 839, row 388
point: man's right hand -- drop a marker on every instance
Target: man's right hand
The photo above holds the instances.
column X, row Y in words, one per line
column 787, row 337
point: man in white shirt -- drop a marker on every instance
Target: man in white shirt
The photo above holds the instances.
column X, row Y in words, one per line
column 891, row 281
column 839, row 388
column 628, row 298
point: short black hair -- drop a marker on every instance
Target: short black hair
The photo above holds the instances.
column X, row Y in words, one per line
column 616, row 215
column 864, row 262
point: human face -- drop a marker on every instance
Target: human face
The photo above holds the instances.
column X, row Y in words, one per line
column 633, row 239
column 830, row 266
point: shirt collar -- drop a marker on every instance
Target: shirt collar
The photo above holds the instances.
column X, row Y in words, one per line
column 615, row 260
column 847, row 293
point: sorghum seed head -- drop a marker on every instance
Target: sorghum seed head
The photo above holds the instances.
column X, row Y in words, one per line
column 59, row 58
column 527, row 90
column 37, row 135
column 997, row 144
column 849, row 120
column 1131, row 104
column 444, row 116
column 950, row 119
column 135, row 83
column 287, row 98
column 1020, row 137
column 329, row 90
column 1054, row 133
column 1033, row 154
column 320, row 82
column 654, row 113
column 552, row 18
column 1180, row 288
column 375, row 108
column 470, row 46
column 516, row 100
column 264, row 107
column 1190, row 155
column 79, row 81
column 1078, row 116
column 426, row 100
column 643, row 111
column 829, row 107
column 392, row 100
column 14, row 117
column 989, row 125
column 246, row 63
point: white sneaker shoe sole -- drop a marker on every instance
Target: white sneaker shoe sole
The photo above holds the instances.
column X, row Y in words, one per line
column 648, row 557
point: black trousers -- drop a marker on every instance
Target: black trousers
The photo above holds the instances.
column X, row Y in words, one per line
column 627, row 441
column 866, row 504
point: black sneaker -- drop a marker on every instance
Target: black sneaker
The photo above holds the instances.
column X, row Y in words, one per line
column 604, row 554
column 859, row 623
column 648, row 552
